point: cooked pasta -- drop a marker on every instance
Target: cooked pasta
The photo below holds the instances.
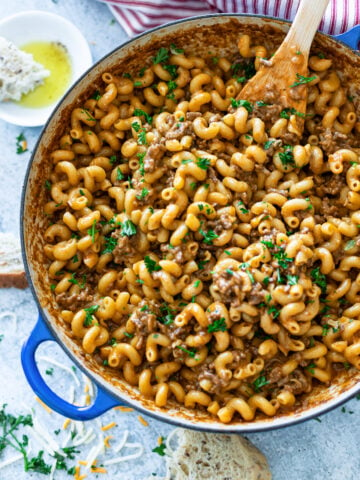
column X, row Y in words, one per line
column 197, row 246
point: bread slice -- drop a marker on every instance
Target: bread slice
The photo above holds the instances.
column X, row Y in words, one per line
column 12, row 272
column 210, row 456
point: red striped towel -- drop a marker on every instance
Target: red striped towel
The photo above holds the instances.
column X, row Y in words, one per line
column 138, row 15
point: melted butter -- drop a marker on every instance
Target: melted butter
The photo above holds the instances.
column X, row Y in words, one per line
column 55, row 58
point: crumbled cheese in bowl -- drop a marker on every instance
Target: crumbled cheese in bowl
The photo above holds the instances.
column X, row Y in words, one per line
column 19, row 73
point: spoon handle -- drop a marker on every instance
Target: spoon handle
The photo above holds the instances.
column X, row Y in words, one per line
column 305, row 24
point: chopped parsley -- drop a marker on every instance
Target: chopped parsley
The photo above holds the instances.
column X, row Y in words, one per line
column 21, row 144
column 209, row 236
column 203, row 163
column 143, row 194
column 92, row 231
column 267, row 243
column 242, row 103
column 292, row 279
column 217, row 326
column 287, row 156
column 191, row 353
column 151, row 265
column 268, row 144
column 96, row 96
column 290, row 111
column 197, row 283
column 89, row 314
column 137, row 84
column 162, row 55
column 49, row 371
column 260, row 103
column 242, row 208
column 282, row 258
column 141, row 156
column 310, row 368
column 174, row 50
column 110, row 244
column 319, row 279
column 350, row 244
column 160, row 449
column 301, row 80
column 47, row 185
column 119, row 175
column 142, row 137
column 128, row 229
column 138, row 112
column 260, row 382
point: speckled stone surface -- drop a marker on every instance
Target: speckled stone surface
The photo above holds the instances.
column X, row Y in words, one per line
column 315, row 450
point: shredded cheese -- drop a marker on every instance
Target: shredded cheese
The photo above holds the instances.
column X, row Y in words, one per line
column 124, row 458
column 142, row 421
column 11, row 460
column 45, row 407
column 124, row 409
column 108, row 426
column 66, row 423
column 106, row 441
column 122, row 442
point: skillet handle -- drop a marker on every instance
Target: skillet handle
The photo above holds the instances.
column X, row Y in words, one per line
column 351, row 37
column 103, row 400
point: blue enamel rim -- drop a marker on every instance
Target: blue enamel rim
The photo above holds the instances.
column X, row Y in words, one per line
column 44, row 331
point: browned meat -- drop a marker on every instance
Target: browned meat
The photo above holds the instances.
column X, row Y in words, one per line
column 268, row 114
column 178, row 130
column 257, row 294
column 75, row 301
column 328, row 184
column 330, row 140
column 230, row 286
column 125, row 246
column 153, row 155
column 192, row 115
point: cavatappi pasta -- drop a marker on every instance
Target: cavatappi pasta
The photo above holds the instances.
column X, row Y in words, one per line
column 196, row 246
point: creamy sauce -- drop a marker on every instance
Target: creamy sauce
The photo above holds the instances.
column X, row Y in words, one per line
column 55, row 58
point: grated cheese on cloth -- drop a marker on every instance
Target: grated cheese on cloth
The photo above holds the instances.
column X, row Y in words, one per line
column 19, row 73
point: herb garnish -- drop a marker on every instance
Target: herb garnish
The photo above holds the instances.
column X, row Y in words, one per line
column 89, row 315
column 301, row 80
column 191, row 353
column 151, row 264
column 128, row 229
column 203, row 163
column 217, row 326
column 319, row 279
column 21, row 143
column 138, row 112
column 92, row 231
column 209, row 236
column 242, row 103
column 110, row 244
column 160, row 449
column 260, row 382
column 162, row 55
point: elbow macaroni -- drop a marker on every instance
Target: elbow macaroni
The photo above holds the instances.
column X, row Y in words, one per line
column 197, row 247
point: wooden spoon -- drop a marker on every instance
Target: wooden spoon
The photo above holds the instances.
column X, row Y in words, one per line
column 284, row 75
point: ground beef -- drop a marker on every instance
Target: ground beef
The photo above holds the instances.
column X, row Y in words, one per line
column 75, row 301
column 328, row 184
column 178, row 130
column 257, row 294
column 330, row 141
column 153, row 154
column 268, row 114
column 329, row 209
column 126, row 246
column 290, row 138
column 217, row 383
column 231, row 287
column 192, row 115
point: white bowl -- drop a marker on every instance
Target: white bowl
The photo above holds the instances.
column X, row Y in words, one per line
column 37, row 26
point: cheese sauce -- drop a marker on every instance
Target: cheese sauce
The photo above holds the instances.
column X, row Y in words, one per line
column 55, row 58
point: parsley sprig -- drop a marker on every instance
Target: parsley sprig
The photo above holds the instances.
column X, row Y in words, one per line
column 301, row 80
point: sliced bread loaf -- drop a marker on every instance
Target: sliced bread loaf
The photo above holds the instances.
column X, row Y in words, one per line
column 12, row 272
column 209, row 456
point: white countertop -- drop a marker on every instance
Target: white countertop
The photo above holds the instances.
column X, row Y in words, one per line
column 315, row 450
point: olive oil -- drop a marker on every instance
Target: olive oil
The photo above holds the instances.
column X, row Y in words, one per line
column 55, row 58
